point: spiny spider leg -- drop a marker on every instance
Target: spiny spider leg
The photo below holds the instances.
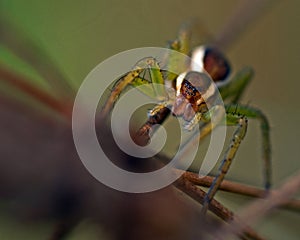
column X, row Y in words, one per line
column 133, row 78
column 238, row 114
column 252, row 112
column 226, row 162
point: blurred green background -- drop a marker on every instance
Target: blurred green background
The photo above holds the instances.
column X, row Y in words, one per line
column 78, row 35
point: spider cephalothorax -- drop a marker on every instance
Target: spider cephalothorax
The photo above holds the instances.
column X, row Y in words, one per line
column 193, row 88
column 190, row 95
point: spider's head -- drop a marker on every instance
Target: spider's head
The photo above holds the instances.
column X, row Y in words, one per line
column 192, row 89
column 212, row 61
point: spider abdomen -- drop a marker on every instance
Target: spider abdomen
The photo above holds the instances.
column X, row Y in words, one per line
column 212, row 61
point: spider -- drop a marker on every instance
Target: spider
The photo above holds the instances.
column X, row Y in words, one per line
column 190, row 101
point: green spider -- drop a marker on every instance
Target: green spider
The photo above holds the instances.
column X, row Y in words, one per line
column 190, row 104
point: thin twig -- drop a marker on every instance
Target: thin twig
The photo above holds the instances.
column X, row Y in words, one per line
column 261, row 207
column 243, row 189
column 184, row 185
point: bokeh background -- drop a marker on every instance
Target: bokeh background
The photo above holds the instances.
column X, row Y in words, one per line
column 78, row 35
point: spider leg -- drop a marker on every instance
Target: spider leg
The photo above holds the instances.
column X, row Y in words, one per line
column 191, row 33
column 239, row 114
column 174, row 62
column 226, row 162
column 233, row 91
column 133, row 78
column 158, row 116
column 255, row 113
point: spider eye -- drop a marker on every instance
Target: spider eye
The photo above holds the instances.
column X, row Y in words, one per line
column 213, row 61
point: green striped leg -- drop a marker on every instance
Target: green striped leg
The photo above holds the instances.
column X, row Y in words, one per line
column 238, row 115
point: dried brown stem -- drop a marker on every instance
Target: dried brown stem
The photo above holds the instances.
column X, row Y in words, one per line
column 261, row 207
column 184, row 185
column 246, row 190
